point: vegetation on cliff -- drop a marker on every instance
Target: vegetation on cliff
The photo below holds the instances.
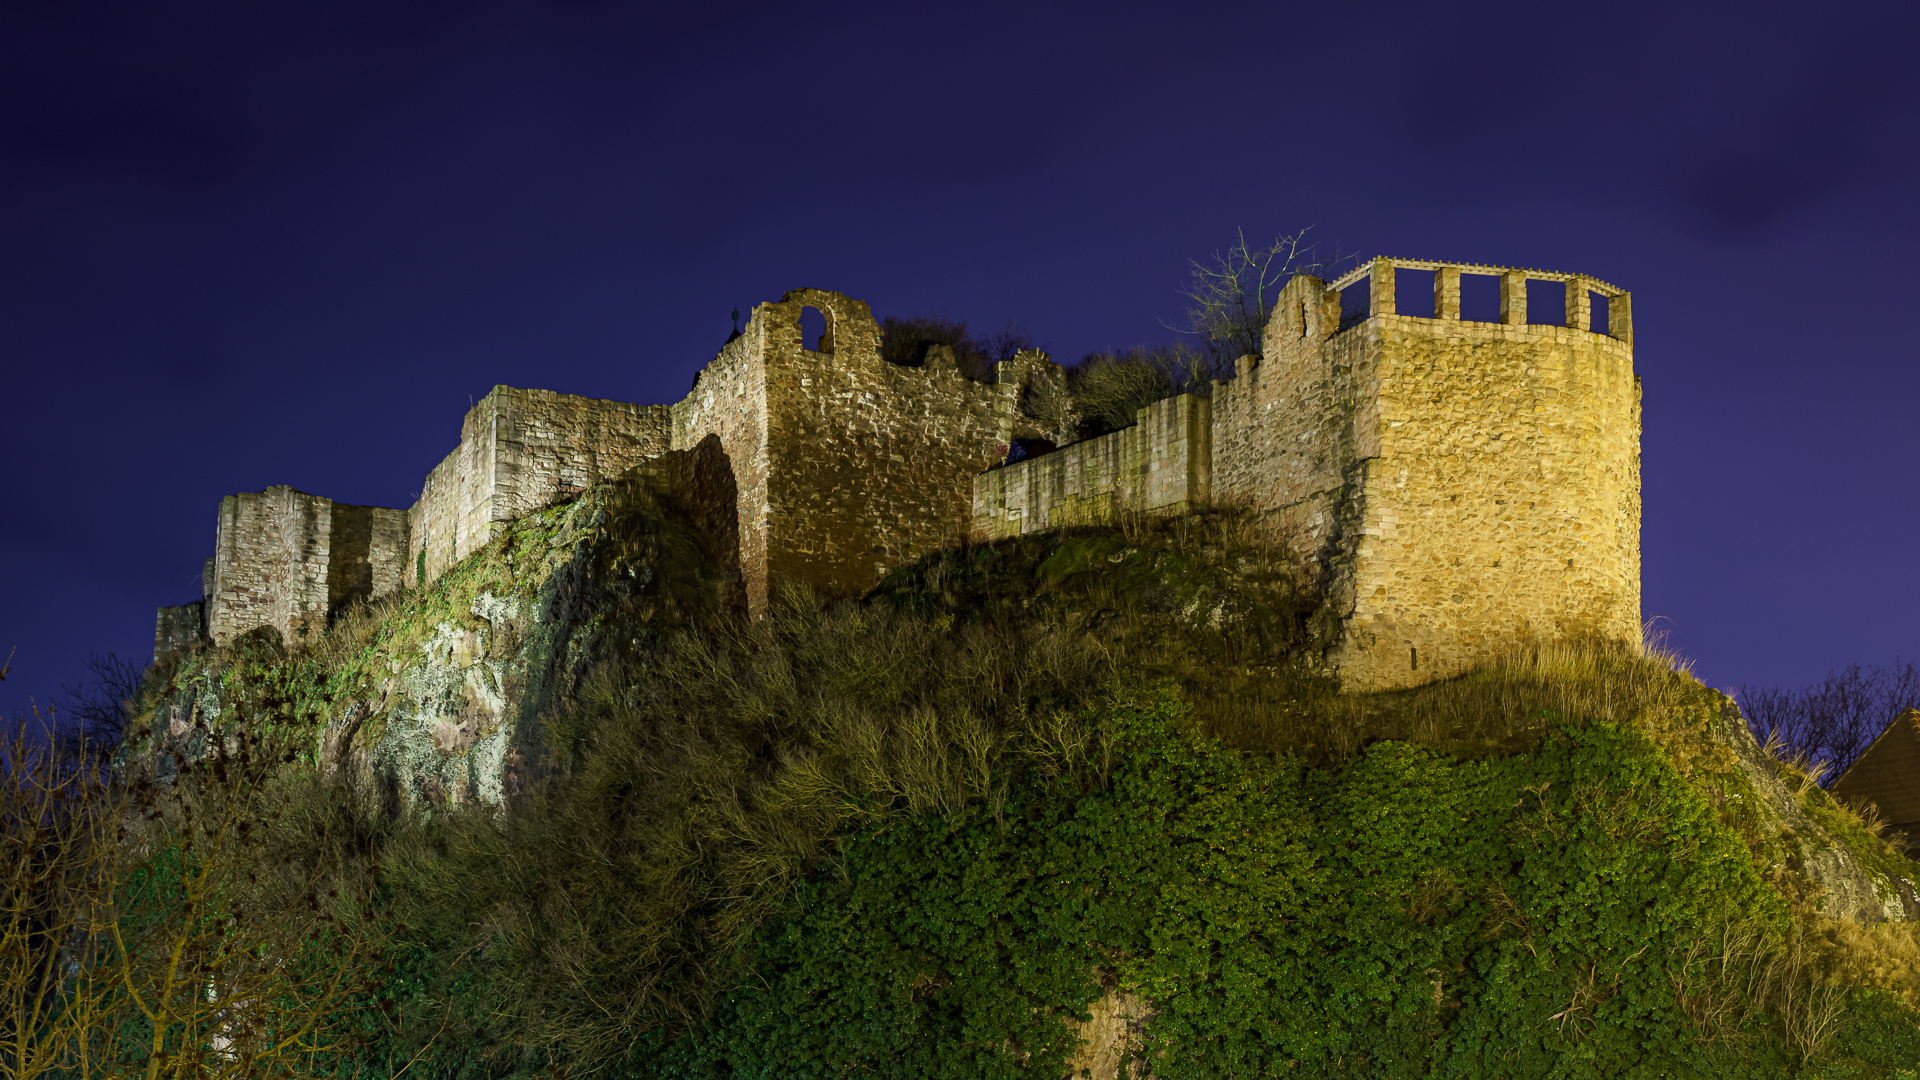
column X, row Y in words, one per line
column 1096, row 774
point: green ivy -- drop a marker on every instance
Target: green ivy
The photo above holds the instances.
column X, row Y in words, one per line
column 1403, row 915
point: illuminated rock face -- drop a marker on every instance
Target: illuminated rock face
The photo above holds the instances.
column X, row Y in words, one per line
column 1461, row 486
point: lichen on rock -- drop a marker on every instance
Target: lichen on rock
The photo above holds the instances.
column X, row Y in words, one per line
column 442, row 689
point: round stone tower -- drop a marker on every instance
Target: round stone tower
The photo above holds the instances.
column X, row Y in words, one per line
column 1464, row 487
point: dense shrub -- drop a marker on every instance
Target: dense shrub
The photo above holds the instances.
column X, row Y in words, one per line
column 1401, row 915
column 906, row 341
column 1109, row 388
column 917, row 835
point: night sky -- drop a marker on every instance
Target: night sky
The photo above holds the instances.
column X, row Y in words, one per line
column 255, row 244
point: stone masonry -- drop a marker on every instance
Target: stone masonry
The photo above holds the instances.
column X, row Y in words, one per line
column 521, row 450
column 1163, row 464
column 850, row 465
column 286, row 559
column 827, row 464
column 812, row 462
column 1462, row 486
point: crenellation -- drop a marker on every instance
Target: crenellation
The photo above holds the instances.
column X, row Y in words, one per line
column 1381, row 288
column 1463, row 487
column 1579, row 303
column 1620, row 317
column 1513, row 298
column 1446, row 293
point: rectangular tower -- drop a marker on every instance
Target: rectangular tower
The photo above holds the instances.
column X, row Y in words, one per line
column 287, row 559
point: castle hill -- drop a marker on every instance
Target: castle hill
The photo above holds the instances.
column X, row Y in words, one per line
column 892, row 705
column 1463, row 487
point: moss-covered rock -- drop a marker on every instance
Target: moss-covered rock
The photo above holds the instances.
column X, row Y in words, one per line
column 443, row 688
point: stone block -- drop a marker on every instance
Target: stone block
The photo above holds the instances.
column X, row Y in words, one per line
column 1446, row 293
column 1513, row 298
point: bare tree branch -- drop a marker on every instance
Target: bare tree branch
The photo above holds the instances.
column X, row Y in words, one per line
column 1232, row 294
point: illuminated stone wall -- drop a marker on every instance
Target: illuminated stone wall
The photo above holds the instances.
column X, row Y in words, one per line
column 1466, row 487
column 1462, row 487
column 1162, row 464
column 287, row 559
column 869, row 464
column 521, row 450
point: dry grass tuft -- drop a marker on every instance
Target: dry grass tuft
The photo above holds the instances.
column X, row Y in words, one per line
column 1501, row 707
column 696, row 791
column 353, row 629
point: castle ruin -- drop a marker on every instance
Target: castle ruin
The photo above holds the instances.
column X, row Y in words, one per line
column 1462, row 486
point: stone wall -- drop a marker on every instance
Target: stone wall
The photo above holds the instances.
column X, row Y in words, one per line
column 521, row 450
column 1463, row 487
column 871, row 464
column 269, row 561
column 286, row 559
column 724, row 416
column 1162, row 464
column 1472, row 486
column 179, row 628
column 835, row 464
column 1277, row 436
column 454, row 514
column 822, row 465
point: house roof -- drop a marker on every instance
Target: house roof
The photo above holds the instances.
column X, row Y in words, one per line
column 1888, row 774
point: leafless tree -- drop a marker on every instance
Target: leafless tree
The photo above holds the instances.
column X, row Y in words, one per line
column 1108, row 388
column 168, row 922
column 1835, row 719
column 100, row 707
column 1231, row 294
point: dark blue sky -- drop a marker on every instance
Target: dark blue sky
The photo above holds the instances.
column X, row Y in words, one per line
column 251, row 244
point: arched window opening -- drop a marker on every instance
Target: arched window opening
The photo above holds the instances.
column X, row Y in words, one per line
column 816, row 330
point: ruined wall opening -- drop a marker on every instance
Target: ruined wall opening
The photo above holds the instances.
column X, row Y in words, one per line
column 1597, row 303
column 1022, row 449
column 1480, row 298
column 1546, row 303
column 1413, row 293
column 1356, row 302
column 816, row 330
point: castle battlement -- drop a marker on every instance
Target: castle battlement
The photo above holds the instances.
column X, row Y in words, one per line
column 1462, row 485
column 1580, row 290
